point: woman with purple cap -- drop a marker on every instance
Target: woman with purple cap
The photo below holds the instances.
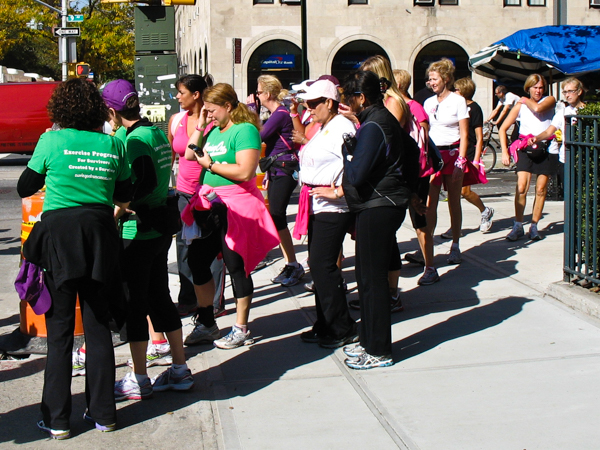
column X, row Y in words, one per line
column 146, row 240
column 85, row 173
column 323, row 214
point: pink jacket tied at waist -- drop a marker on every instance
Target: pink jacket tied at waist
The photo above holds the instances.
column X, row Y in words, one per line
column 301, row 226
column 250, row 231
column 518, row 144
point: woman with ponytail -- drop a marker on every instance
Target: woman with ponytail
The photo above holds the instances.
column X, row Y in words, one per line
column 235, row 221
column 381, row 171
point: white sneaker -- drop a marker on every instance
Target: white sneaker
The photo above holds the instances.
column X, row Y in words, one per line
column 78, row 360
column 486, row 219
column 234, row 339
column 156, row 355
column 202, row 335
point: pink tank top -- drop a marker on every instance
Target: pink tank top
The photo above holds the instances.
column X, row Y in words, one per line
column 189, row 171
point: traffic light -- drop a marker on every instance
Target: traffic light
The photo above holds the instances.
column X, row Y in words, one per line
column 82, row 70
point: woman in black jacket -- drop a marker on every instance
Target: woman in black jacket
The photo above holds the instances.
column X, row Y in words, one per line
column 380, row 176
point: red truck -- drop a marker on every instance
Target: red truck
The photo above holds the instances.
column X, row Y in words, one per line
column 23, row 115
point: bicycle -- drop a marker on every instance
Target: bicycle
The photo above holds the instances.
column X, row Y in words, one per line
column 490, row 147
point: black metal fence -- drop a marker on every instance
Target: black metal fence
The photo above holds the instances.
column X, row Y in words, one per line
column 582, row 203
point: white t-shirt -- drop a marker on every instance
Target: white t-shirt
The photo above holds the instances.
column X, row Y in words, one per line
column 509, row 99
column 444, row 117
column 559, row 122
column 321, row 162
column 534, row 123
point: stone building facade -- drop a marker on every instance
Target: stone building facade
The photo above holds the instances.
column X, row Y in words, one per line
column 341, row 33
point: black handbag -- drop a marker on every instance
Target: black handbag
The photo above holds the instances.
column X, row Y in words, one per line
column 537, row 151
column 266, row 162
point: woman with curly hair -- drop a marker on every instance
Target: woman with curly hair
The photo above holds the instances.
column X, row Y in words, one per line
column 76, row 242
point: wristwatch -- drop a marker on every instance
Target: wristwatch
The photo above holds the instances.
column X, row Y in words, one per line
column 212, row 163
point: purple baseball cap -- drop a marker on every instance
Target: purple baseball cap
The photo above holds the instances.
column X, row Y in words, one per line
column 331, row 78
column 31, row 287
column 116, row 93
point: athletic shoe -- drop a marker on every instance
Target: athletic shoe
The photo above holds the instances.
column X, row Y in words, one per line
column 186, row 310
column 284, row 273
column 294, row 277
column 395, row 303
column 129, row 389
column 235, row 338
column 366, row 361
column 533, row 234
column 354, row 351
column 516, row 233
column 329, row 342
column 156, row 356
column 415, row 258
column 54, row 434
column 202, row 335
column 430, row 276
column 454, row 256
column 448, row 234
column 310, row 337
column 220, row 311
column 103, row 428
column 310, row 286
column 171, row 380
column 78, row 363
column 486, row 219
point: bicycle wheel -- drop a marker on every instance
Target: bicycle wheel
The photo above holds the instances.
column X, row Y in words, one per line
column 488, row 157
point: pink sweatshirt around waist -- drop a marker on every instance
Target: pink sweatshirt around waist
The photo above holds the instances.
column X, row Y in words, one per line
column 250, row 231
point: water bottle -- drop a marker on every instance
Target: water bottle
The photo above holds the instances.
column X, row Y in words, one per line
column 214, row 199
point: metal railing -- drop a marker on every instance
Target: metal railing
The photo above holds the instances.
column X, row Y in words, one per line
column 582, row 175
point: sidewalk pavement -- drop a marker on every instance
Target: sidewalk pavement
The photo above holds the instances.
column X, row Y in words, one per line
column 484, row 360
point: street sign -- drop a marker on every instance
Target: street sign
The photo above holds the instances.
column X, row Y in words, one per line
column 75, row 18
column 60, row 32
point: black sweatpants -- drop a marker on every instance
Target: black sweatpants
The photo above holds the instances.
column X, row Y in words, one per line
column 100, row 357
column 375, row 239
column 326, row 233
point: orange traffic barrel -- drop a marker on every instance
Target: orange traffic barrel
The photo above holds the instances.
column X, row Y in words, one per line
column 31, row 324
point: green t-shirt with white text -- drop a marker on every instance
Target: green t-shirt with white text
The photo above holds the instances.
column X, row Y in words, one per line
column 81, row 167
column 222, row 148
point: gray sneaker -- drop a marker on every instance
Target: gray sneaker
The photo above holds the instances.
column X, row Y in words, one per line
column 430, row 276
column 533, row 234
column 454, row 256
column 516, row 233
column 354, row 351
column 78, row 359
column 486, row 219
column 448, row 234
column 170, row 380
column 235, row 338
column 284, row 273
column 202, row 335
column 366, row 361
column 294, row 277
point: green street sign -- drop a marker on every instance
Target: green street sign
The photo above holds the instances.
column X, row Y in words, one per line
column 75, row 18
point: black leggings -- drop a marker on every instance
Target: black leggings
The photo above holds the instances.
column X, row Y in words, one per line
column 201, row 254
column 280, row 191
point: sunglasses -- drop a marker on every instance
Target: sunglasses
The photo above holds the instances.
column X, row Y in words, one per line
column 312, row 104
column 571, row 91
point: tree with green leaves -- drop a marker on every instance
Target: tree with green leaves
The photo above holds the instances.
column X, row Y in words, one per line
column 106, row 42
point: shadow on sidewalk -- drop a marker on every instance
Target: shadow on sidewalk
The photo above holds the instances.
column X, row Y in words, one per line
column 463, row 324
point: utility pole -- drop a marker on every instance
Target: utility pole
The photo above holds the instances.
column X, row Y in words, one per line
column 62, row 40
column 304, row 38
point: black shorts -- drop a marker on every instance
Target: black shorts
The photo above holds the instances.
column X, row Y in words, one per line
column 545, row 166
column 280, row 191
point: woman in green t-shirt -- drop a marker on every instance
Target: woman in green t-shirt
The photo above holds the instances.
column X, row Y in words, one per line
column 243, row 230
column 76, row 242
